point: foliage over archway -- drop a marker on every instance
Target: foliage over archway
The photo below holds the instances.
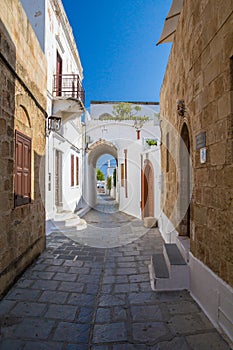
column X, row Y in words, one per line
column 128, row 111
column 124, row 111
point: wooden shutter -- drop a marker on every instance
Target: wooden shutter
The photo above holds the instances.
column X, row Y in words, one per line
column 126, row 173
column 122, row 175
column 72, row 170
column 77, row 171
column 58, row 178
column 22, row 169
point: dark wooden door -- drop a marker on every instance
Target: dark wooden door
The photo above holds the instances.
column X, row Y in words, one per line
column 59, row 75
column 150, row 199
column 22, row 169
column 148, row 191
column 185, row 182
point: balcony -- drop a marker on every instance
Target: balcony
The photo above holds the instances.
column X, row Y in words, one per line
column 68, row 85
column 69, row 95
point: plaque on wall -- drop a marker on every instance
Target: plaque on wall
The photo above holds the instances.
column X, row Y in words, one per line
column 203, row 155
column 200, row 140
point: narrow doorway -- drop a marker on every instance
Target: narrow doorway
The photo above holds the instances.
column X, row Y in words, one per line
column 185, row 182
column 148, row 190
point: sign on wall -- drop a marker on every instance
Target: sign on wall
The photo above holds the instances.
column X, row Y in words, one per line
column 200, row 140
column 203, row 155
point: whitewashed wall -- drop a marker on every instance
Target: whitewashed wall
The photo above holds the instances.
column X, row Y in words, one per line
column 53, row 30
column 123, row 135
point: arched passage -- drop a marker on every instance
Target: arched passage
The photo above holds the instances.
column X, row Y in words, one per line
column 185, row 182
column 96, row 150
column 147, row 190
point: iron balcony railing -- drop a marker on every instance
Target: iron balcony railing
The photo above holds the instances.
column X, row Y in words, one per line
column 68, row 85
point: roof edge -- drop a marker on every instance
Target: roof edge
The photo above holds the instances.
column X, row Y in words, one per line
column 133, row 102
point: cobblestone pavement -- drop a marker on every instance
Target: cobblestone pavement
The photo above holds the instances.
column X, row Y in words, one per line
column 77, row 297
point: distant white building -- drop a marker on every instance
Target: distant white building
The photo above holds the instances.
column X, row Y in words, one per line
column 64, row 158
column 130, row 142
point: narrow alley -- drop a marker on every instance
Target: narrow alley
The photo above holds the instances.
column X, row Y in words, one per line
column 116, row 180
column 78, row 296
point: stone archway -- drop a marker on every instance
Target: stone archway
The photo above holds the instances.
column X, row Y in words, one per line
column 94, row 151
column 148, row 190
column 185, row 182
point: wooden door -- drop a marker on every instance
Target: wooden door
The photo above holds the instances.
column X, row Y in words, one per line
column 185, row 182
column 148, row 190
column 22, row 169
column 59, row 75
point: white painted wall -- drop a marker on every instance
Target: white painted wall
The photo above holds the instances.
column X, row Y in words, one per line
column 91, row 194
column 53, row 30
column 131, row 204
column 57, row 39
column 58, row 35
column 123, row 135
column 166, row 227
column 71, row 194
column 213, row 295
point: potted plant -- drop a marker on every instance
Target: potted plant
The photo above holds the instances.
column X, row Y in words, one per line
column 151, row 142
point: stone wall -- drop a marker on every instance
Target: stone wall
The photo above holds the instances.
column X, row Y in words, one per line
column 200, row 71
column 22, row 108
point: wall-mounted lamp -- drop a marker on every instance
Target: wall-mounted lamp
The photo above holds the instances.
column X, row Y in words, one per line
column 180, row 107
column 54, row 123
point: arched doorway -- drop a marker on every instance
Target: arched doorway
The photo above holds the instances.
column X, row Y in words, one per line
column 95, row 151
column 147, row 190
column 185, row 182
column 105, row 169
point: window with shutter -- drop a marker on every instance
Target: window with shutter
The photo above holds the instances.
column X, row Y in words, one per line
column 22, row 190
column 122, row 175
column 77, row 171
column 72, row 170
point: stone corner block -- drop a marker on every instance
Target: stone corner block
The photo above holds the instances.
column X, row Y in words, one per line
column 150, row 221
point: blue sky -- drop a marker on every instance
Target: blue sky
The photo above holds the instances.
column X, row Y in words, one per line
column 117, row 46
column 102, row 164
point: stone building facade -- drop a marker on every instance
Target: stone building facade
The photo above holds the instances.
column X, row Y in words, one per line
column 197, row 119
column 22, row 143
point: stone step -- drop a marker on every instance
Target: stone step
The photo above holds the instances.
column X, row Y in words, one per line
column 150, row 222
column 159, row 266
column 159, row 274
column 63, row 215
column 82, row 225
column 71, row 229
column 73, row 221
column 173, row 255
column 169, row 271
